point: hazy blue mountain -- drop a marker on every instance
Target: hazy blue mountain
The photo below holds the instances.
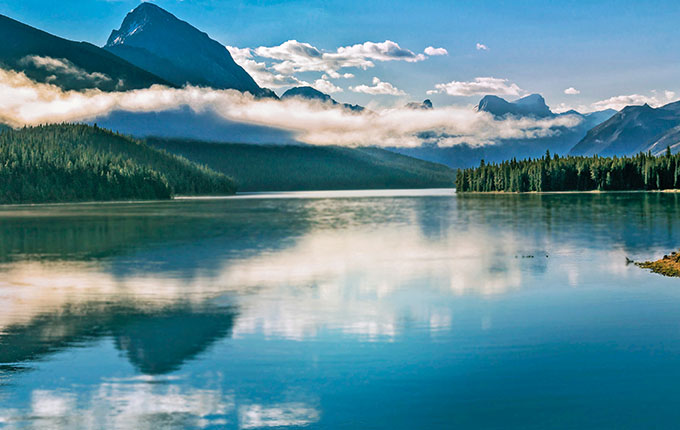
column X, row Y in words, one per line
column 187, row 124
column 307, row 167
column 70, row 65
column 633, row 129
column 156, row 40
column 531, row 105
column 669, row 139
column 314, row 94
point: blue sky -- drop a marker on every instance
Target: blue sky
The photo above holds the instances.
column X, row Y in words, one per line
column 603, row 49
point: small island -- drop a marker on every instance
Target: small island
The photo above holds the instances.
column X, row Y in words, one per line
column 669, row 265
column 644, row 172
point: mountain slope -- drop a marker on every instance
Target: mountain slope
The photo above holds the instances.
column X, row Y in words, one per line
column 82, row 163
column 310, row 93
column 156, row 40
column 70, row 65
column 301, row 167
column 633, row 129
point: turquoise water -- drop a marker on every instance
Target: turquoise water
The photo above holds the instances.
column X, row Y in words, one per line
column 341, row 310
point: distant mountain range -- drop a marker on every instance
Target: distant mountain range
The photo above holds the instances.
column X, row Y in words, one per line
column 632, row 130
column 532, row 106
column 157, row 41
column 152, row 46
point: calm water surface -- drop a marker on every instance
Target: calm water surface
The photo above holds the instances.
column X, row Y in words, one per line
column 383, row 310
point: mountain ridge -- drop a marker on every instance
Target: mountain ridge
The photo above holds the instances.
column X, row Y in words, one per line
column 156, row 40
column 71, row 65
column 634, row 129
column 310, row 93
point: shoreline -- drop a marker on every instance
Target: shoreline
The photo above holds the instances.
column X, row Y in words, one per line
column 668, row 191
column 668, row 265
column 369, row 192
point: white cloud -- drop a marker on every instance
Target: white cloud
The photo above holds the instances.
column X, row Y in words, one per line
column 619, row 102
column 432, row 51
column 24, row 102
column 482, row 47
column 260, row 72
column 335, row 75
column 379, row 88
column 572, row 91
column 479, row 86
column 326, row 86
column 294, row 57
column 64, row 67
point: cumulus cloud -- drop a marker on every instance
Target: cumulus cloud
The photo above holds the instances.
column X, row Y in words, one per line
column 336, row 75
column 276, row 66
column 63, row 67
column 326, row 86
column 482, row 47
column 572, row 91
column 479, row 86
column 260, row 71
column 432, row 51
column 293, row 57
column 619, row 102
column 24, row 102
column 379, row 88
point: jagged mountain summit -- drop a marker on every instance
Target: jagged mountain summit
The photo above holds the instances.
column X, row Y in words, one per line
column 310, row 93
column 632, row 130
column 70, row 65
column 157, row 41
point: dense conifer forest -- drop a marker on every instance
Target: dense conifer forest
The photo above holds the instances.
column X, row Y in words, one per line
column 306, row 167
column 641, row 172
column 69, row 162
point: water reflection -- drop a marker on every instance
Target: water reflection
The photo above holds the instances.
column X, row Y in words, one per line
column 140, row 404
column 172, row 296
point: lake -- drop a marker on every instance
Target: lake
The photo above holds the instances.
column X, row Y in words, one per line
column 341, row 310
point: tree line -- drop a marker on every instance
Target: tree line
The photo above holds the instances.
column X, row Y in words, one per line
column 69, row 162
column 554, row 173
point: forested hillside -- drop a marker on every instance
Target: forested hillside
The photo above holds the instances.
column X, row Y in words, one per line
column 301, row 167
column 81, row 163
column 641, row 172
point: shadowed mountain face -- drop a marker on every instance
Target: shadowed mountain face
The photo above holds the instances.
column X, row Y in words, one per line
column 632, row 130
column 156, row 40
column 70, row 65
column 310, row 93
